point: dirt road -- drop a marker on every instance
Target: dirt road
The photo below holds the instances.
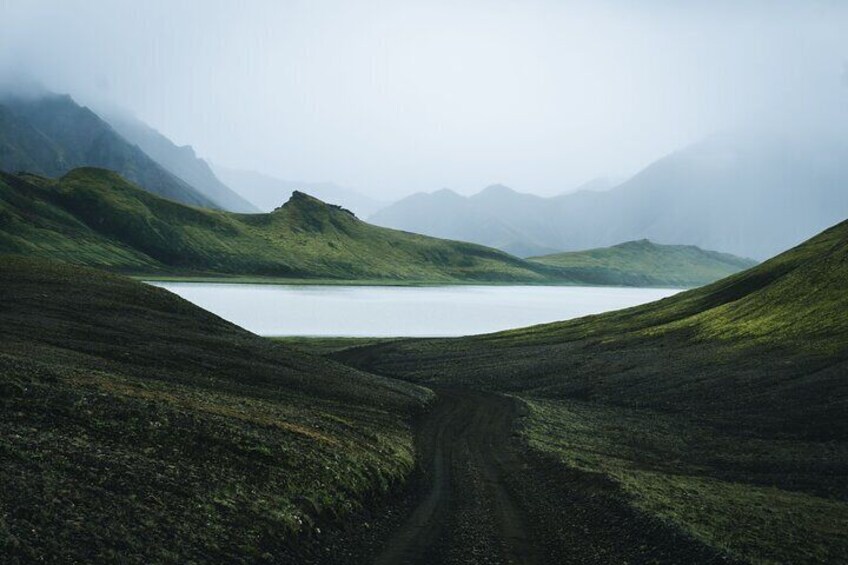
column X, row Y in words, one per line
column 489, row 501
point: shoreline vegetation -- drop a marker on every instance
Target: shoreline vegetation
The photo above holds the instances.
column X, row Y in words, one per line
column 279, row 281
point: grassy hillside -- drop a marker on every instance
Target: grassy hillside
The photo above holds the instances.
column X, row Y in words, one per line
column 94, row 217
column 51, row 135
column 722, row 409
column 136, row 427
column 643, row 263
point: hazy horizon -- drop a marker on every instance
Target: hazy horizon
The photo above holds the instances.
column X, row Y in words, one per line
column 392, row 98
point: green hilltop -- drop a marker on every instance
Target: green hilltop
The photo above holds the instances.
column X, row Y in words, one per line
column 136, row 427
column 722, row 409
column 644, row 263
column 94, row 217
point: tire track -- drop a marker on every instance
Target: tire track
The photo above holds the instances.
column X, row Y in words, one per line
column 491, row 502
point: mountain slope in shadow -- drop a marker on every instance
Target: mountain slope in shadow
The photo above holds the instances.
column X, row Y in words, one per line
column 181, row 161
column 51, row 135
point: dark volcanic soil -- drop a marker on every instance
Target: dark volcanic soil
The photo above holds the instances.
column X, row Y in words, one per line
column 487, row 500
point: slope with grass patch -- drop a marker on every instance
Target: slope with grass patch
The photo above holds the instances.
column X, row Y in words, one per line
column 136, row 427
column 722, row 409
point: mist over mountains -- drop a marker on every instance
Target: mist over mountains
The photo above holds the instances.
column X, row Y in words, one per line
column 751, row 193
column 181, row 161
column 51, row 135
column 268, row 192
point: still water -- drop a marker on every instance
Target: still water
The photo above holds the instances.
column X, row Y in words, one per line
column 386, row 311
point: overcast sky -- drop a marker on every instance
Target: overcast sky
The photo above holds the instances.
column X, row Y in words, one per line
column 399, row 96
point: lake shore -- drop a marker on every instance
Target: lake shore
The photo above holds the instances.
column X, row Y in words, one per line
column 282, row 281
column 360, row 311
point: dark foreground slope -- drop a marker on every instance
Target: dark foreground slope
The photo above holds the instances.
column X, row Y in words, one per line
column 94, row 217
column 644, row 263
column 723, row 409
column 135, row 427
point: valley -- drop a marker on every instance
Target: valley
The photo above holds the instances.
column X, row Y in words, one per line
column 94, row 217
column 708, row 410
column 605, row 438
column 257, row 307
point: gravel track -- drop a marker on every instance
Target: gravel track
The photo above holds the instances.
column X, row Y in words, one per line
column 488, row 500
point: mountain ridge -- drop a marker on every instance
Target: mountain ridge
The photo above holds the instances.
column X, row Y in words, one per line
column 95, row 217
column 76, row 136
column 752, row 194
column 182, row 161
column 268, row 192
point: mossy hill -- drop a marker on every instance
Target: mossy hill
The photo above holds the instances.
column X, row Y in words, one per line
column 94, row 217
column 644, row 263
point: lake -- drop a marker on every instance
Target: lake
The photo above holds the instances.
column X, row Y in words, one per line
column 395, row 311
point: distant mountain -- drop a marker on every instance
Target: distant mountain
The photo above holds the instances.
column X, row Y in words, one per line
column 94, row 217
column 480, row 218
column 753, row 195
column 599, row 184
column 181, row 161
column 52, row 134
column 643, row 263
column 268, row 192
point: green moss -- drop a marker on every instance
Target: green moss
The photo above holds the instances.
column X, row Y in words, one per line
column 759, row 499
column 327, row 345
